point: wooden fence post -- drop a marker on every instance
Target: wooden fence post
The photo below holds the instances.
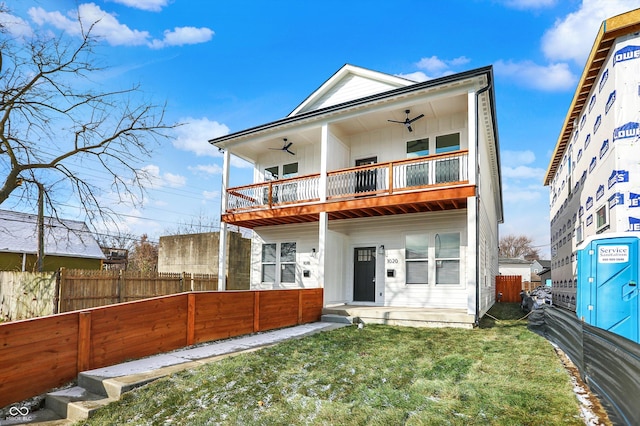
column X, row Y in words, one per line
column 84, row 340
column 56, row 292
column 191, row 319
column 120, row 286
column 256, row 311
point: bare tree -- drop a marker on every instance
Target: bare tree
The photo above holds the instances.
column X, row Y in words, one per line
column 144, row 256
column 195, row 225
column 518, row 246
column 58, row 127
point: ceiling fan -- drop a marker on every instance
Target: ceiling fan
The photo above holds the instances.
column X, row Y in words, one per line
column 407, row 122
column 285, row 147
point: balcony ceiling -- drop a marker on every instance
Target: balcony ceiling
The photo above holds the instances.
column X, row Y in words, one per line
column 372, row 118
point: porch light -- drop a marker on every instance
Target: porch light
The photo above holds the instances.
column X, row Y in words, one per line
column 381, row 249
column 313, row 252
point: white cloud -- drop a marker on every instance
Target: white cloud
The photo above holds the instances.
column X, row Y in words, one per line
column 107, row 27
column 156, row 180
column 523, row 172
column 530, row 4
column 209, row 169
column 515, row 194
column 240, row 163
column 211, row 195
column 174, row 181
column 432, row 64
column 16, row 26
column 193, row 136
column 183, row 35
column 517, row 157
column 552, row 77
column 441, row 67
column 572, row 37
column 149, row 5
column 417, row 76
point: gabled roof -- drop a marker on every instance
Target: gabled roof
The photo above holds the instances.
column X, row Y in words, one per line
column 347, row 84
column 610, row 29
column 512, row 261
column 412, row 89
column 71, row 238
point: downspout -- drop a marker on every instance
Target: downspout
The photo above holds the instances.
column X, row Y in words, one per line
column 477, row 171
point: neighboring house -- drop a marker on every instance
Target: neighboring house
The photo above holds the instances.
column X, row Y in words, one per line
column 545, row 277
column 594, row 173
column 117, row 259
column 67, row 243
column 383, row 191
column 537, row 266
column 198, row 254
column 522, row 267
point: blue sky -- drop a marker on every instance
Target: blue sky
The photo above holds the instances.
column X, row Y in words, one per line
column 226, row 66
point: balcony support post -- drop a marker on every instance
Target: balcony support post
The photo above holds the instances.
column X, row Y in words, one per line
column 222, row 237
column 324, row 147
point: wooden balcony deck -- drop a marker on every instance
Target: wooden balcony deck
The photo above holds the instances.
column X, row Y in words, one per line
column 431, row 183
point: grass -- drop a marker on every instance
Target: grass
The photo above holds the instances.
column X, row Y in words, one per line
column 498, row 374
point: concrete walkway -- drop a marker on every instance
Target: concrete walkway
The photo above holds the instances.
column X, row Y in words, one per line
column 99, row 387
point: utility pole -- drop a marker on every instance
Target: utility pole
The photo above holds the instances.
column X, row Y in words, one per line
column 40, row 264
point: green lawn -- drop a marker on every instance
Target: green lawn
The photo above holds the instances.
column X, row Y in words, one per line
column 498, row 374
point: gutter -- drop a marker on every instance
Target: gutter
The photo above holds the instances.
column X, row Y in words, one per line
column 477, row 171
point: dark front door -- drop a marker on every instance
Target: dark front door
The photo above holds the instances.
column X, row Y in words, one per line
column 366, row 180
column 364, row 274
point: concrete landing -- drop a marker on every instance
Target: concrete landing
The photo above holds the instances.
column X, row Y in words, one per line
column 411, row 317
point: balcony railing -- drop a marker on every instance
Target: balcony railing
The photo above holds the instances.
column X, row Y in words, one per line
column 376, row 179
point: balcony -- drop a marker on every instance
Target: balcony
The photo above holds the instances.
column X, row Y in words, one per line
column 430, row 183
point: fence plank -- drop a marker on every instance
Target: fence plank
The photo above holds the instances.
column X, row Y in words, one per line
column 84, row 340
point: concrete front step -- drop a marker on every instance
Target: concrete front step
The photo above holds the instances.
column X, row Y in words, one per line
column 75, row 403
column 340, row 319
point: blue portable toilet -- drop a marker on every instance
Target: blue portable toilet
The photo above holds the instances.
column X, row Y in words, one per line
column 607, row 291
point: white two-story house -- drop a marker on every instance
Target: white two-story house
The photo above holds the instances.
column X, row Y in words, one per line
column 383, row 191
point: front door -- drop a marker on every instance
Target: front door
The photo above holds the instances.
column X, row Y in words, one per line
column 366, row 180
column 364, row 274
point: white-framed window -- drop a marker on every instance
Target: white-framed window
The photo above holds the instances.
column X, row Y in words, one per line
column 447, row 143
column 417, row 258
column 447, row 169
column 602, row 218
column 288, row 262
column 281, row 192
column 579, row 233
column 268, row 263
column 447, row 256
column 278, row 262
column 417, row 148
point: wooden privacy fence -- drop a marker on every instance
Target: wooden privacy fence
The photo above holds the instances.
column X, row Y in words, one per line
column 83, row 289
column 508, row 288
column 42, row 353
